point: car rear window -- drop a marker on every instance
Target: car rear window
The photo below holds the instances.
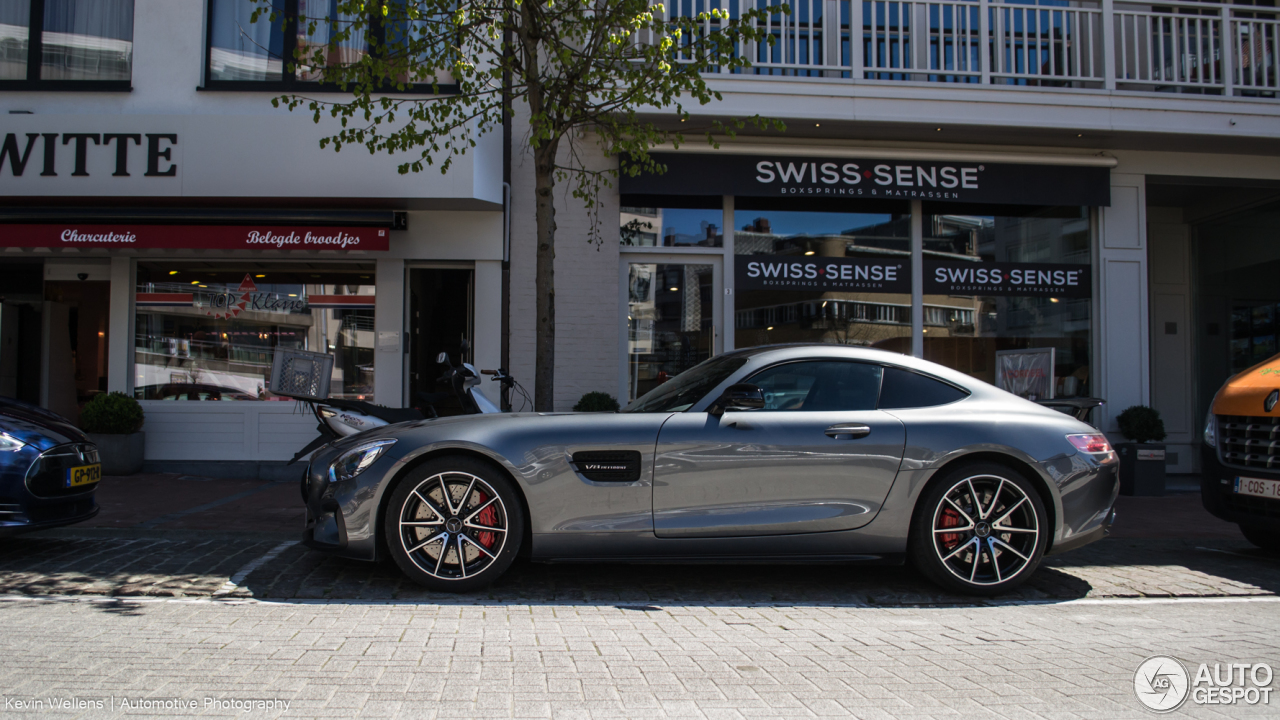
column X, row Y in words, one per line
column 905, row 389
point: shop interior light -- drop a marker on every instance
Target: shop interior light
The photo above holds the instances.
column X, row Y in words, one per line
column 1053, row 299
column 293, row 294
column 204, row 286
column 675, row 289
column 259, row 276
column 195, row 282
column 768, row 328
column 808, row 252
column 173, row 272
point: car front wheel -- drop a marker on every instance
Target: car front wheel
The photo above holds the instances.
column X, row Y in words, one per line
column 980, row 530
column 454, row 524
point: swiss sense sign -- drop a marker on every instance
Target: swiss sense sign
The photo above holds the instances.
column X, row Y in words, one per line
column 195, row 237
column 872, row 179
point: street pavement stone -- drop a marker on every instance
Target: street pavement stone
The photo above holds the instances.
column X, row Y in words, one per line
column 194, row 564
column 584, row 659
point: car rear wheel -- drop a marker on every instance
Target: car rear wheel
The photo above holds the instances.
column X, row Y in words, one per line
column 979, row 530
column 1265, row 539
column 454, row 524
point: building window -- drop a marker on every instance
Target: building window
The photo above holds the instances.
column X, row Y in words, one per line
column 1016, row 281
column 278, row 48
column 692, row 222
column 209, row 330
column 781, row 234
column 46, row 43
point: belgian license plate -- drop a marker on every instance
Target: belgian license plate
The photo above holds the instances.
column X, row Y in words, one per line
column 84, row 475
column 1258, row 487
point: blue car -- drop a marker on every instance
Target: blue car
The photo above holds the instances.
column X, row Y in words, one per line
column 48, row 470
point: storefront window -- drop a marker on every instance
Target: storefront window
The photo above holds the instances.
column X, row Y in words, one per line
column 15, row 22
column 671, row 222
column 1010, row 291
column 670, row 321
column 822, row 271
column 209, row 330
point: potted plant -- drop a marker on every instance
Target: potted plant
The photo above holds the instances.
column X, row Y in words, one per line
column 113, row 422
column 1142, row 464
column 596, row 402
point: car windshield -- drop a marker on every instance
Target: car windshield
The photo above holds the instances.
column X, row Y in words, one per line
column 687, row 388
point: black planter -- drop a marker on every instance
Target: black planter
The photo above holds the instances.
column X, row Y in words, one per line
column 1141, row 468
column 121, row 454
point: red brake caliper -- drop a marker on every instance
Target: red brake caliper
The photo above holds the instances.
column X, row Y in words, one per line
column 950, row 518
column 488, row 516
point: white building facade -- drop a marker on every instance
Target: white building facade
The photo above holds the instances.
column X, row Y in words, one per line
column 166, row 230
column 1075, row 199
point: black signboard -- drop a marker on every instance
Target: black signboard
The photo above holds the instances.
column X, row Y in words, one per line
column 893, row 275
column 960, row 277
column 853, row 178
column 823, row 274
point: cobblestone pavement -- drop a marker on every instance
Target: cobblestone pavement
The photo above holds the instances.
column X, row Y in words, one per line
column 484, row 659
column 194, row 564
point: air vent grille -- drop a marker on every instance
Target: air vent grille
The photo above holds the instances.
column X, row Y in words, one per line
column 608, row 465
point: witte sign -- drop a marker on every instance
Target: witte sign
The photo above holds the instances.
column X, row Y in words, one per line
column 196, row 237
column 877, row 179
column 845, row 274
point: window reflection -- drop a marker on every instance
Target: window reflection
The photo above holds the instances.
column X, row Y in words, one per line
column 87, row 40
column 243, row 49
column 966, row 331
column 669, row 321
column 671, row 222
column 14, row 43
column 209, row 331
column 874, row 319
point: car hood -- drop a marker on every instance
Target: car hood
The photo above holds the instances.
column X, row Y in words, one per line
column 1246, row 393
column 36, row 426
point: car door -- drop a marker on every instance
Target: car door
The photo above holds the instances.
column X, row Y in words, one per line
column 818, row 457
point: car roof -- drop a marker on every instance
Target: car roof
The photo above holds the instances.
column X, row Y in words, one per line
column 767, row 354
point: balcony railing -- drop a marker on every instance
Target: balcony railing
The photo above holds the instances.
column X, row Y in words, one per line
column 1204, row 48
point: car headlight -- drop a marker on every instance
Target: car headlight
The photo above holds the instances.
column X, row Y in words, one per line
column 10, row 444
column 1211, row 429
column 358, row 459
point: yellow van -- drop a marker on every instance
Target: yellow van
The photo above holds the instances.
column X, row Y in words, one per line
column 1241, row 452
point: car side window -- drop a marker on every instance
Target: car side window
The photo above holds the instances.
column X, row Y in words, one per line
column 819, row 386
column 903, row 389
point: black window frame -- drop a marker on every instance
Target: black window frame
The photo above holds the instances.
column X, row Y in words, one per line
column 289, row 81
column 35, row 60
column 796, row 361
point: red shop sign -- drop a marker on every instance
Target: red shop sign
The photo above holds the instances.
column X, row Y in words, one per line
column 195, row 237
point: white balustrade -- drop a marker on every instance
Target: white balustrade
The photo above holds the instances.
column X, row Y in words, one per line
column 1171, row 46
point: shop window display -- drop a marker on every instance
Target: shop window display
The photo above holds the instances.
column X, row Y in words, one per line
column 1010, row 282
column 209, row 330
column 824, row 238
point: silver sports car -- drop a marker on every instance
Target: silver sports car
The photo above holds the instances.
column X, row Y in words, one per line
column 814, row 453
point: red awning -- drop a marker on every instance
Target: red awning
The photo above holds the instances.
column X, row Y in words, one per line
column 195, row 237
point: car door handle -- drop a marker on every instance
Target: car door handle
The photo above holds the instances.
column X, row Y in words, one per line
column 853, row 430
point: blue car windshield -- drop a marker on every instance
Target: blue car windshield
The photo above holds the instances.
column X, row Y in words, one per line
column 687, row 388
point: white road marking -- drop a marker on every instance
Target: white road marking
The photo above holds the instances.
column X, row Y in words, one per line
column 238, row 577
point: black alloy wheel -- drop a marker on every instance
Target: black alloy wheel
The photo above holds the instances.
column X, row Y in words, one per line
column 454, row 524
column 979, row 530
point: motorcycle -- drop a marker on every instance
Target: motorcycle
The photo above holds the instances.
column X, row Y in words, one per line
column 342, row 418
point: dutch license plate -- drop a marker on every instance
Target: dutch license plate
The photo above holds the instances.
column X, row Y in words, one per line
column 84, row 475
column 1258, row 487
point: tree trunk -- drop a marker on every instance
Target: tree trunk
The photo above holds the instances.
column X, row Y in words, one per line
column 544, row 282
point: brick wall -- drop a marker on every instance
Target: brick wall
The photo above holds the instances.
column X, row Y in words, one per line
column 587, row 322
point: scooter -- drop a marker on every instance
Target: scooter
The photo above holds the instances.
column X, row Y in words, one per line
column 342, row 418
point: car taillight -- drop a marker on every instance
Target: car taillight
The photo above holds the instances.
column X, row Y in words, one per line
column 1094, row 444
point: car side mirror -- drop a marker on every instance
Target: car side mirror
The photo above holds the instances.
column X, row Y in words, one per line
column 742, row 396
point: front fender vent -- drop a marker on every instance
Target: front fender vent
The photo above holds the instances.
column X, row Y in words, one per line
column 608, row 465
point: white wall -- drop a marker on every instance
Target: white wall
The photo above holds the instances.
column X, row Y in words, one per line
column 586, row 277
column 1122, row 318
